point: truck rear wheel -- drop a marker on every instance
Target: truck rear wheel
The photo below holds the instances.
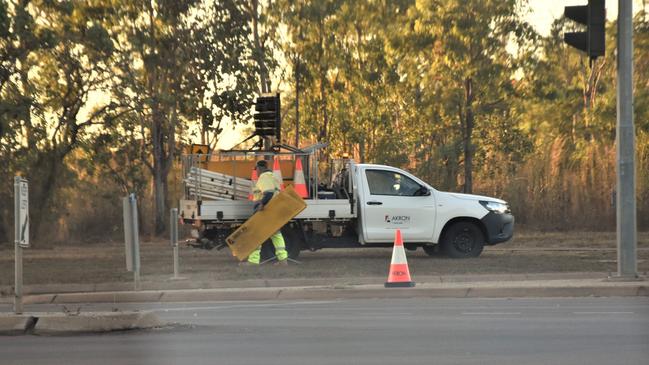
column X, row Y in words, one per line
column 463, row 240
column 294, row 240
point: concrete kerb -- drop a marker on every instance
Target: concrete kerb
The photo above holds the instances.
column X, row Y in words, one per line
column 565, row 288
column 61, row 323
column 455, row 286
column 189, row 284
column 108, row 297
column 15, row 324
column 55, row 323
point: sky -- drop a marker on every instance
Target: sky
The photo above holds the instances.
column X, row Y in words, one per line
column 543, row 12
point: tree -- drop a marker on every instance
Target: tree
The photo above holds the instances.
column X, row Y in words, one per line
column 470, row 60
column 54, row 55
column 180, row 61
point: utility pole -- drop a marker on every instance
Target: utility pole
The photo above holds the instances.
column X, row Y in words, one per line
column 626, row 195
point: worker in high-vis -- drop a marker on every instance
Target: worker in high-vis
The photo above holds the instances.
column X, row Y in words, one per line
column 265, row 189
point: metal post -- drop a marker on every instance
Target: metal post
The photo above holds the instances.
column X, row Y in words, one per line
column 626, row 196
column 128, row 233
column 315, row 175
column 173, row 233
column 21, row 237
column 234, row 178
column 136, row 242
column 200, row 181
column 18, row 298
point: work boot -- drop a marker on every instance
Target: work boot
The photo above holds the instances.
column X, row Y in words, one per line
column 281, row 263
column 248, row 263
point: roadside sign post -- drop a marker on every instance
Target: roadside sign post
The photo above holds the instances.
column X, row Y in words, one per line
column 21, row 236
column 173, row 235
column 132, row 238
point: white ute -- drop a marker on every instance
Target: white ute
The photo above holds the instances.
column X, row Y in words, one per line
column 367, row 204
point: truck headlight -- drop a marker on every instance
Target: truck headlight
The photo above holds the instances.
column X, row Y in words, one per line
column 495, row 207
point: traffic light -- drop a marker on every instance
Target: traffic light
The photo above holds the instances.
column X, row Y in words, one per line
column 268, row 118
column 593, row 16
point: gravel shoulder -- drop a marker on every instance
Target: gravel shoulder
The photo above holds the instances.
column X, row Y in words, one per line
column 529, row 252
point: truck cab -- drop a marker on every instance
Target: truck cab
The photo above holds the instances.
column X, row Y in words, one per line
column 390, row 198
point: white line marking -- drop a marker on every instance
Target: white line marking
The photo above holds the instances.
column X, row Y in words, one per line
column 603, row 312
column 488, row 313
column 180, row 309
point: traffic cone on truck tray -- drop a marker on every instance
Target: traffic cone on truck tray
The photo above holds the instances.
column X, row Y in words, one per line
column 277, row 171
column 254, row 178
column 298, row 180
column 399, row 276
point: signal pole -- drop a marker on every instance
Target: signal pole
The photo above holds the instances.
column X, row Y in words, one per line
column 626, row 194
column 592, row 41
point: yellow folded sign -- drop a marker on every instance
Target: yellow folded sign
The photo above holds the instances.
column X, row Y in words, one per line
column 258, row 228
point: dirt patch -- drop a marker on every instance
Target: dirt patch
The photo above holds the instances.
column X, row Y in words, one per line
column 529, row 252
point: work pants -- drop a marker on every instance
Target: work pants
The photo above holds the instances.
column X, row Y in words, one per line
column 280, row 249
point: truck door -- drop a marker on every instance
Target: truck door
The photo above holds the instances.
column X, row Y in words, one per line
column 394, row 200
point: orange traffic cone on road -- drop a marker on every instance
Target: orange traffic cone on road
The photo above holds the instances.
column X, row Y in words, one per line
column 399, row 276
column 254, row 178
column 277, row 171
column 298, row 180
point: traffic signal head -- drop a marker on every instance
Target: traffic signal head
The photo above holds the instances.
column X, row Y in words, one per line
column 267, row 116
column 593, row 16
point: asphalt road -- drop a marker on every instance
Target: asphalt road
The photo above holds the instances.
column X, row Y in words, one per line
column 414, row 331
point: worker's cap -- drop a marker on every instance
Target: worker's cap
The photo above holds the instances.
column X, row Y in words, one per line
column 262, row 164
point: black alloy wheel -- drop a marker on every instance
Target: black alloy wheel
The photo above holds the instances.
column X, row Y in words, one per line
column 463, row 240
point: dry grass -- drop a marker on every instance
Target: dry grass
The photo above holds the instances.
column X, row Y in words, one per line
column 105, row 263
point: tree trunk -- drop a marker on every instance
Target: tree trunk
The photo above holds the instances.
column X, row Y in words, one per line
column 159, row 178
column 323, row 76
column 297, row 101
column 468, row 134
column 259, row 47
column 323, row 106
column 159, row 199
column 4, row 227
column 42, row 186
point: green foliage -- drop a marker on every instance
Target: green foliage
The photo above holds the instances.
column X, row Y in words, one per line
column 103, row 93
column 453, row 89
column 99, row 90
column 4, row 20
column 183, row 62
column 45, row 81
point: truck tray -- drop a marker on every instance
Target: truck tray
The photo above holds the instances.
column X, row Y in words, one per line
column 263, row 224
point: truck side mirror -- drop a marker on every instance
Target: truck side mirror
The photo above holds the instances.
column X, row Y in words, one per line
column 423, row 191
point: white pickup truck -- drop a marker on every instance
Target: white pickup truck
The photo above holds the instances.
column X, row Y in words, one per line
column 364, row 206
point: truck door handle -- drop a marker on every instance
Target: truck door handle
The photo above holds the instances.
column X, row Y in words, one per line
column 374, row 203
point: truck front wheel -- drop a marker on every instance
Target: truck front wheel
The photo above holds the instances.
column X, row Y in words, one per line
column 463, row 240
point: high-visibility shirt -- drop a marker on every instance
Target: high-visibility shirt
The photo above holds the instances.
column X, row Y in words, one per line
column 266, row 182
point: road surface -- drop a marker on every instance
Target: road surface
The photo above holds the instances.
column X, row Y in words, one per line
column 388, row 331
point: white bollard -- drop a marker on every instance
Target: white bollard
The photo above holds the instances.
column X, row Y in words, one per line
column 173, row 237
column 132, row 238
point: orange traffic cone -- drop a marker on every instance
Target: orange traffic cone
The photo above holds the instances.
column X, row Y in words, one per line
column 298, row 180
column 277, row 171
column 399, row 276
column 254, row 178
